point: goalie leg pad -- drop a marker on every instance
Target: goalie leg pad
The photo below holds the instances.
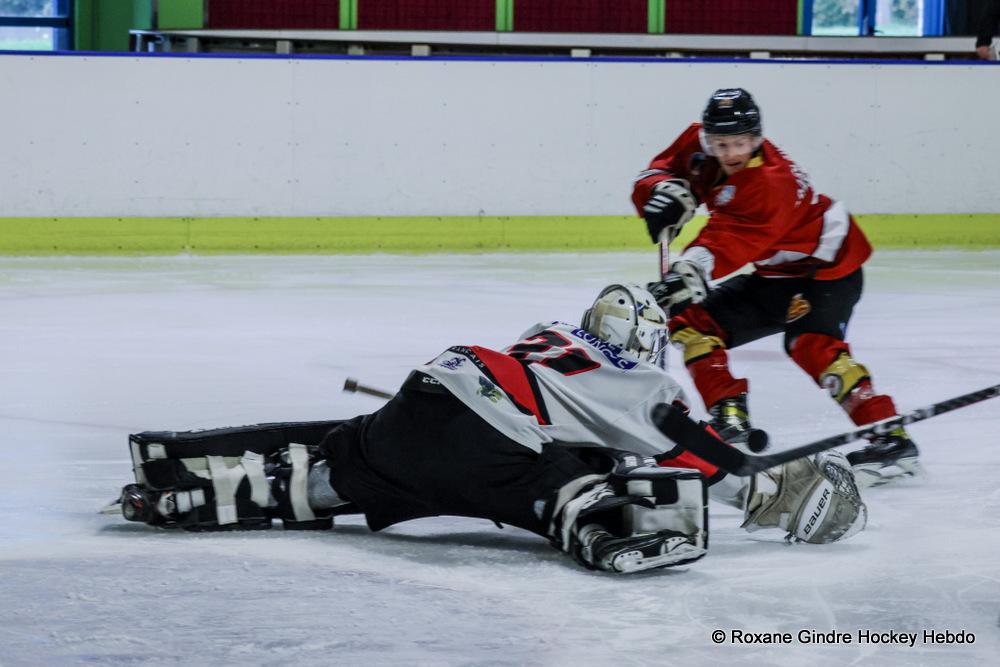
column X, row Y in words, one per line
column 815, row 499
column 228, row 478
column 225, row 492
column 205, row 493
column 633, row 520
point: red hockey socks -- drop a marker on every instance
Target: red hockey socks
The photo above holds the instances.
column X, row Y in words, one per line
column 705, row 355
column 828, row 361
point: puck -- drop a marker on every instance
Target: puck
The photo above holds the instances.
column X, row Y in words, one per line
column 757, row 440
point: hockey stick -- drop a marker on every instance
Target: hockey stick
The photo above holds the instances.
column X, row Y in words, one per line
column 690, row 436
column 663, row 361
column 665, row 256
column 352, row 385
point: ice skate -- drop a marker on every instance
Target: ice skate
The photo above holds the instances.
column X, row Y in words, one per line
column 888, row 457
column 731, row 420
column 662, row 549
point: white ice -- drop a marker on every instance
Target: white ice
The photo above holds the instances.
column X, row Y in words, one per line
column 93, row 349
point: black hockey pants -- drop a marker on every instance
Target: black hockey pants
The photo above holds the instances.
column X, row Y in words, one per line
column 427, row 454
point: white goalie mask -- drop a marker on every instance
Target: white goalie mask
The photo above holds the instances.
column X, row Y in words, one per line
column 628, row 317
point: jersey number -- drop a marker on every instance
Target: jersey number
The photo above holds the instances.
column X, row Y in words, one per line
column 554, row 351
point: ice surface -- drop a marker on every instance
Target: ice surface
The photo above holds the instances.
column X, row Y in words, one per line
column 93, row 349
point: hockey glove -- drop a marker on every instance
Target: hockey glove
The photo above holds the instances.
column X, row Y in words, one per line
column 668, row 209
column 640, row 518
column 683, row 285
column 815, row 499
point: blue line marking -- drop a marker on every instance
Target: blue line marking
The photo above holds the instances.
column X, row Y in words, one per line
column 505, row 59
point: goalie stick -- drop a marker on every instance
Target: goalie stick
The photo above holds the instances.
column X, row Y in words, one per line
column 691, row 436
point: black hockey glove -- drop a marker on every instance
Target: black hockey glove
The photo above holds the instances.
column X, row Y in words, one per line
column 668, row 209
column 683, row 285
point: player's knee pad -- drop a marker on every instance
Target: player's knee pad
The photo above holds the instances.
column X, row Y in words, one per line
column 633, row 520
column 698, row 318
column 205, row 481
column 844, row 376
column 695, row 344
column 814, row 499
column 847, row 381
column 828, row 361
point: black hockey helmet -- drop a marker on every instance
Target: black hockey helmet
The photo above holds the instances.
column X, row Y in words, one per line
column 731, row 111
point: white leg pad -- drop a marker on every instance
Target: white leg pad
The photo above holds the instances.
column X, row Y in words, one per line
column 225, row 481
column 298, row 485
column 253, row 466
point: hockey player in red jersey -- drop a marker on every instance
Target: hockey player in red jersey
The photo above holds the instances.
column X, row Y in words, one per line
column 553, row 434
column 807, row 251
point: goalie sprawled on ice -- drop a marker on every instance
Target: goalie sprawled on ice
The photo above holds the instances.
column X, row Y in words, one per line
column 553, row 434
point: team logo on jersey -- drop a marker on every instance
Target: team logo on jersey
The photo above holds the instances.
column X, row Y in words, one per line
column 725, row 195
column 488, row 390
column 452, row 364
column 611, row 352
column 798, row 308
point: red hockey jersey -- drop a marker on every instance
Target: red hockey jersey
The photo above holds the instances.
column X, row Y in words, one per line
column 767, row 214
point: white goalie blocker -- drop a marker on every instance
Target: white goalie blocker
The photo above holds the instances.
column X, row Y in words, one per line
column 634, row 519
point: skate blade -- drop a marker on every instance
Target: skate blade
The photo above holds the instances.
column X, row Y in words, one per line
column 114, row 507
column 868, row 475
column 680, row 552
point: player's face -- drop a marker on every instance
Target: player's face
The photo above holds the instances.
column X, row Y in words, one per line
column 732, row 150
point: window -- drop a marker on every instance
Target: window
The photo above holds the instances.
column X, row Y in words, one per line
column 890, row 18
column 899, row 18
column 835, row 17
column 35, row 25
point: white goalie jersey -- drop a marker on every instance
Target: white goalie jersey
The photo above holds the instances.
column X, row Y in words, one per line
column 561, row 383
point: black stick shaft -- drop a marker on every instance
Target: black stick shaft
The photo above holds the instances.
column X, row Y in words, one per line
column 689, row 435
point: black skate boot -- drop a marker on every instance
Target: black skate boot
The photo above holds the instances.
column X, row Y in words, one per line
column 731, row 420
column 138, row 504
column 191, row 508
column 887, row 458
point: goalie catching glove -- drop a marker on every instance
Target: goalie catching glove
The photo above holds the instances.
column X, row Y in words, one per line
column 815, row 499
column 669, row 208
column 683, row 285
